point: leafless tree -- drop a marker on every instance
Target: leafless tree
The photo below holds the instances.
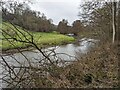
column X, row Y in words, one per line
column 31, row 73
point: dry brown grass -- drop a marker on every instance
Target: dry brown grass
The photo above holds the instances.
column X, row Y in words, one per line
column 99, row 68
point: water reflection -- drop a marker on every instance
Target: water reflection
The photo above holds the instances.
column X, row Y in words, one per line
column 65, row 52
column 82, row 47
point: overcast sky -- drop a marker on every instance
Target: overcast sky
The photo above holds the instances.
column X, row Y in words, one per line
column 58, row 9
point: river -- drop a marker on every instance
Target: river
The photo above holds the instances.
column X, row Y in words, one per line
column 64, row 52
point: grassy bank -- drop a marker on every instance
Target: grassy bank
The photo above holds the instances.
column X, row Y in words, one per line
column 39, row 38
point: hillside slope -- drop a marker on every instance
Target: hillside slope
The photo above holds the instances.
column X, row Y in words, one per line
column 13, row 35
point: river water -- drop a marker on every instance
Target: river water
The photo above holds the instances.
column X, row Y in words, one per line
column 64, row 52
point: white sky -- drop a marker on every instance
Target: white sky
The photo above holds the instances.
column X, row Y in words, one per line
column 58, row 9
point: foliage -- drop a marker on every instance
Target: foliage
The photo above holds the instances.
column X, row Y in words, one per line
column 94, row 14
column 20, row 14
column 63, row 27
column 76, row 28
column 98, row 17
column 96, row 69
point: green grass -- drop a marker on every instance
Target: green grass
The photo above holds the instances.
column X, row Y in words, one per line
column 40, row 38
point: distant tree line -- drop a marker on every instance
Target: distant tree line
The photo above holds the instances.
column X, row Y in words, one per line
column 75, row 29
column 20, row 14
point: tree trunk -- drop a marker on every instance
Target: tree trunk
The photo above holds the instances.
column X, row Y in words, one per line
column 114, row 20
column 118, row 23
